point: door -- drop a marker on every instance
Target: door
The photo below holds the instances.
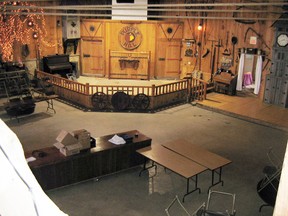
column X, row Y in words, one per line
column 92, row 57
column 168, row 59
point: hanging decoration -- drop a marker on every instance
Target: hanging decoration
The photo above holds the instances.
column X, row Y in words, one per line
column 22, row 23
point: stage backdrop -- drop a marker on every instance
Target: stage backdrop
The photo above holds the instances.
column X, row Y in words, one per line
column 131, row 49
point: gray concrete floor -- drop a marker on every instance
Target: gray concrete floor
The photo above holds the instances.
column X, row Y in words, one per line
column 125, row 193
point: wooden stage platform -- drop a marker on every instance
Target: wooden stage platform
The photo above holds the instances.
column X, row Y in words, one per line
column 248, row 107
column 244, row 105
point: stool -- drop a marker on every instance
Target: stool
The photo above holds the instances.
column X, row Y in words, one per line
column 247, row 79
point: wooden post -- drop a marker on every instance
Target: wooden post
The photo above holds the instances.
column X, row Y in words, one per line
column 87, row 87
column 152, row 97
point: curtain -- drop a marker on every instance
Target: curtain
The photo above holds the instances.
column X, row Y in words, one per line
column 258, row 73
column 20, row 192
column 240, row 72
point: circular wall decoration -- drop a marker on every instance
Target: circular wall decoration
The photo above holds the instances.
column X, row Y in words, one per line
column 169, row 30
column 92, row 28
column 130, row 37
column 282, row 40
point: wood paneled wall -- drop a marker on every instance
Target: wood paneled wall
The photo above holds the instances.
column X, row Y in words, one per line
column 156, row 39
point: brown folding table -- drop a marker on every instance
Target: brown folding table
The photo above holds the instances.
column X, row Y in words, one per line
column 174, row 162
column 201, row 156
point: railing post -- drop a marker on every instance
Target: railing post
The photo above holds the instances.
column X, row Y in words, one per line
column 188, row 81
column 152, row 97
column 205, row 90
column 87, row 88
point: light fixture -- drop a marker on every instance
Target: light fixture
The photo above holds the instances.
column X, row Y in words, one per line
column 30, row 23
column 200, row 27
column 35, row 35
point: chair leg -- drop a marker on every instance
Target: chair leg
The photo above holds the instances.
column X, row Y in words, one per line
column 263, row 206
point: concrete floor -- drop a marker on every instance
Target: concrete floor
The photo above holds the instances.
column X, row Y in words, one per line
column 126, row 193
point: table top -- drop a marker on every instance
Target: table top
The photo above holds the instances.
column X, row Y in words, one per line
column 171, row 160
column 53, row 154
column 198, row 154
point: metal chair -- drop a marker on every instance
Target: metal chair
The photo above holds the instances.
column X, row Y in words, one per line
column 275, row 163
column 215, row 205
column 176, row 199
column 267, row 187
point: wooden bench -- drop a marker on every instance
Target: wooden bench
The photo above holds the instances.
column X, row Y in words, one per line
column 174, row 162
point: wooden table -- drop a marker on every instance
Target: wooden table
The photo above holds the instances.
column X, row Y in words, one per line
column 55, row 170
column 210, row 160
column 174, row 162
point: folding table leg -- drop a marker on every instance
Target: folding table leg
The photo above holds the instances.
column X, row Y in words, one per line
column 219, row 178
column 146, row 168
column 50, row 105
column 195, row 187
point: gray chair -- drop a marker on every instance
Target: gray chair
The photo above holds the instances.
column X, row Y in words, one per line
column 218, row 204
column 267, row 187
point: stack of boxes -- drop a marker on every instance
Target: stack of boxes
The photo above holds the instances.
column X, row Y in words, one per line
column 72, row 143
column 83, row 137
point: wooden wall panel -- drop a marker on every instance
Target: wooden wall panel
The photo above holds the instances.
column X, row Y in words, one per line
column 216, row 30
column 92, row 57
column 147, row 44
column 91, row 28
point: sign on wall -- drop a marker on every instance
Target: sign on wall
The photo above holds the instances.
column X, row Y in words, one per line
column 130, row 37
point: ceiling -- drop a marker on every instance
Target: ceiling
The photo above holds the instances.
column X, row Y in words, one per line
column 246, row 11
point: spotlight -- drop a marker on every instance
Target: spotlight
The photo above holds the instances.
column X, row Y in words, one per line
column 200, row 27
column 30, row 23
column 35, row 35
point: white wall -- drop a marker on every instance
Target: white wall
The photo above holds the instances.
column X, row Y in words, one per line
column 281, row 207
column 130, row 12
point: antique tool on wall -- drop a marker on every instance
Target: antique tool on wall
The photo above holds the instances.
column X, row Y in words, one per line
column 234, row 41
column 218, row 51
column 212, row 59
column 258, row 35
column 226, row 50
column 207, row 51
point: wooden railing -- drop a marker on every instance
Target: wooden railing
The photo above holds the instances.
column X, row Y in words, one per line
column 64, row 83
column 169, row 88
column 193, row 88
column 130, row 90
column 198, row 89
column 110, row 90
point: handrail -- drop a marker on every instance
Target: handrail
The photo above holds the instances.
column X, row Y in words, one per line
column 68, row 84
column 198, row 89
column 195, row 88
column 110, row 90
column 170, row 87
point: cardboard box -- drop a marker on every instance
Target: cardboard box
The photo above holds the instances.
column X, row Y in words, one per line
column 68, row 150
column 71, row 149
column 66, row 138
column 67, row 144
column 83, row 137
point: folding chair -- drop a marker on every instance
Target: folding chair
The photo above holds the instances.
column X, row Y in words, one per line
column 275, row 163
column 267, row 187
column 176, row 199
column 218, row 204
column 215, row 205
